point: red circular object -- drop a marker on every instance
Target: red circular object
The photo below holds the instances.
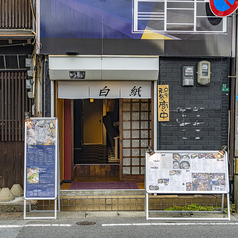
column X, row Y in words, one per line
column 229, row 11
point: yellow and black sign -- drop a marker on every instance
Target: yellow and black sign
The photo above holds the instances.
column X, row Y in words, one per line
column 163, row 102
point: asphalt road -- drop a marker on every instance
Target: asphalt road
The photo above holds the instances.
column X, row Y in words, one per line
column 110, row 224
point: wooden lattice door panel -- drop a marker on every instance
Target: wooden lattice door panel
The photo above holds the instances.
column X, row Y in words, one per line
column 135, row 135
column 14, row 102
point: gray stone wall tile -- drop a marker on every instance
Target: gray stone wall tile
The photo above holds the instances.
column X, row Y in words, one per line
column 199, row 114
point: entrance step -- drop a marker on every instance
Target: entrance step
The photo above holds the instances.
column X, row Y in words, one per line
column 96, row 170
column 91, row 154
column 125, row 200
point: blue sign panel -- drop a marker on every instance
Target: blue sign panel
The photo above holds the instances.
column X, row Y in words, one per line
column 40, row 158
column 133, row 27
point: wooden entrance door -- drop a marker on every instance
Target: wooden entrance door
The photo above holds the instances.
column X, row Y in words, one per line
column 135, row 136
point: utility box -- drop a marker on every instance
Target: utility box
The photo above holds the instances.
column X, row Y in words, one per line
column 29, row 63
column 188, row 76
column 204, row 72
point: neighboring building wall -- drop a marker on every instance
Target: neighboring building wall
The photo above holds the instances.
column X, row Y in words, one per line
column 16, row 44
column 199, row 114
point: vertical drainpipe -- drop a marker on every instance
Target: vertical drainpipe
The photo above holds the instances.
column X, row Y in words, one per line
column 232, row 122
column 38, row 63
column 235, row 125
column 232, row 82
column 38, row 96
column 44, row 77
column 37, row 27
column 33, row 20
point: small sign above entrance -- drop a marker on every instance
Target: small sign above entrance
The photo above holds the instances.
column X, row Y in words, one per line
column 77, row 74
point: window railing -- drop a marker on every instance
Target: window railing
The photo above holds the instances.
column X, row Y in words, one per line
column 13, row 103
column 187, row 16
column 16, row 14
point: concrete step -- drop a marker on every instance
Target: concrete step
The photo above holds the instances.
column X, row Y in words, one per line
column 125, row 200
column 113, row 200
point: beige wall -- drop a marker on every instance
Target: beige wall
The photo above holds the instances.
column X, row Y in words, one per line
column 92, row 121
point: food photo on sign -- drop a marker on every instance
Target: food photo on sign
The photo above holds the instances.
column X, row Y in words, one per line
column 181, row 161
column 40, row 132
column 33, row 175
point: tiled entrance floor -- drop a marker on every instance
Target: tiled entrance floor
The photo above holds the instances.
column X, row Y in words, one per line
column 121, row 200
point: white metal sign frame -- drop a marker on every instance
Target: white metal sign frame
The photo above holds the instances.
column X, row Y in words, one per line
column 34, row 142
column 163, row 169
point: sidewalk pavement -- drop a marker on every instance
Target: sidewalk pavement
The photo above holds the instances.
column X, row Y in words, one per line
column 84, row 215
column 13, row 210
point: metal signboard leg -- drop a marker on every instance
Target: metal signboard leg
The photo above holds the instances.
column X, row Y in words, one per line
column 222, row 204
column 228, row 207
column 24, row 208
column 178, row 218
column 58, row 171
column 147, row 206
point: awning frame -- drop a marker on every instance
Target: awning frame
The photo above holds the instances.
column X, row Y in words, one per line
column 101, row 67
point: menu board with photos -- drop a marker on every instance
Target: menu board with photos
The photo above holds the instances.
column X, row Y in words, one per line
column 40, row 158
column 186, row 172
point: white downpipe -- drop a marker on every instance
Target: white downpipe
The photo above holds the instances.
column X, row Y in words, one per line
column 155, row 113
column 52, row 99
column 37, row 26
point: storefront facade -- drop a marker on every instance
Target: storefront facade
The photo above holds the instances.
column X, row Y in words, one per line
column 93, row 105
column 107, row 62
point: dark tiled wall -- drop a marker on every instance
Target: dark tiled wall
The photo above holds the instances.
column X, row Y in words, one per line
column 199, row 114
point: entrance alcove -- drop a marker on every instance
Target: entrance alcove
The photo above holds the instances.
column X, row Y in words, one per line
column 90, row 159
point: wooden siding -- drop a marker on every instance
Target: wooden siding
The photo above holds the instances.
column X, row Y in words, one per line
column 16, row 14
column 13, row 103
column 11, row 164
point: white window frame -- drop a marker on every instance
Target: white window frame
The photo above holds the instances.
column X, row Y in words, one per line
column 163, row 16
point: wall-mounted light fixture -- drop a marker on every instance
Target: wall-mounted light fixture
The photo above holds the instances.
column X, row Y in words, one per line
column 221, row 152
column 91, row 100
column 27, row 116
column 71, row 53
column 149, row 150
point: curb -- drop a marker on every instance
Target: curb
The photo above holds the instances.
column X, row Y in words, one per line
column 16, row 205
